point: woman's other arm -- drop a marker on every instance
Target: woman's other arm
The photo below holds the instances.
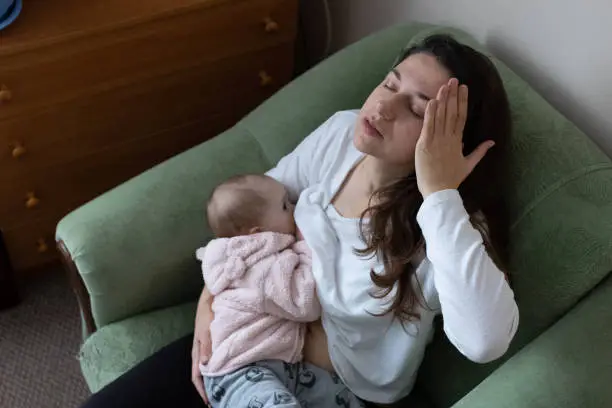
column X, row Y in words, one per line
column 202, row 344
column 478, row 306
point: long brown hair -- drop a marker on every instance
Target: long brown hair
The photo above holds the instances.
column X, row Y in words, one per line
column 393, row 233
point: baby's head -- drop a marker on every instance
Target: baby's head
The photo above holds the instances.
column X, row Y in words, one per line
column 248, row 204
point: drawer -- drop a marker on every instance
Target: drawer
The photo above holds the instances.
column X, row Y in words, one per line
column 37, row 77
column 31, row 244
column 58, row 190
column 64, row 132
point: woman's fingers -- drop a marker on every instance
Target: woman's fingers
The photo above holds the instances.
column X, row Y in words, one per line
column 477, row 155
column 429, row 120
column 202, row 344
column 451, row 106
column 196, row 375
column 441, row 110
column 462, row 109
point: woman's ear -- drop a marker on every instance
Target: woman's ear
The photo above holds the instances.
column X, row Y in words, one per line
column 254, row 230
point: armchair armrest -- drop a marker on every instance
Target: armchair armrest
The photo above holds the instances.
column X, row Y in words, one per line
column 568, row 366
column 133, row 247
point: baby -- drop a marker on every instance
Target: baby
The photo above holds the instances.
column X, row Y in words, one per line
column 264, row 293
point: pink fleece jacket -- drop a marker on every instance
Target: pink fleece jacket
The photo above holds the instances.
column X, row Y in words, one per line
column 264, row 292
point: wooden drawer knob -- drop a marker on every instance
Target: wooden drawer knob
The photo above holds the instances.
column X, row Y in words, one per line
column 41, row 246
column 31, row 200
column 18, row 150
column 5, row 94
column 270, row 26
column 264, row 78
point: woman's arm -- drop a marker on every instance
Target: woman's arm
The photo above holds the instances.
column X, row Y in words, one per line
column 478, row 306
column 202, row 344
column 480, row 314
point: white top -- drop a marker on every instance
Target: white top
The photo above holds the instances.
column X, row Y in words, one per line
column 376, row 356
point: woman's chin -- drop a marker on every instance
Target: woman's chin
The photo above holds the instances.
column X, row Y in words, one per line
column 364, row 143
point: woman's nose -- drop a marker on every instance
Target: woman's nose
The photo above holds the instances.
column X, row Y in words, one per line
column 384, row 110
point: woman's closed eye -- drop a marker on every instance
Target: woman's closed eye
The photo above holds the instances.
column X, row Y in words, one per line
column 417, row 112
column 389, row 85
column 414, row 106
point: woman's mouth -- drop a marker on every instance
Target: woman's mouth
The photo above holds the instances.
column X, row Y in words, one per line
column 370, row 130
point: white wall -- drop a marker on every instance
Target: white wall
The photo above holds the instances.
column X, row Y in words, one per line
column 563, row 48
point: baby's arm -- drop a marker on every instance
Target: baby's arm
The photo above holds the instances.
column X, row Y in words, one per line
column 290, row 289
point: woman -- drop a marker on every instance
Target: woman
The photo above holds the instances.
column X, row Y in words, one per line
column 399, row 204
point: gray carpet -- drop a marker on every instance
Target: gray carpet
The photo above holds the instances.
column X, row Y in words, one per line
column 39, row 341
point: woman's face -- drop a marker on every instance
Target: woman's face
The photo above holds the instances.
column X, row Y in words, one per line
column 391, row 119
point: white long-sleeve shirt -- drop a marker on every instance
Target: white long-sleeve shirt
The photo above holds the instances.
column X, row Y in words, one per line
column 376, row 356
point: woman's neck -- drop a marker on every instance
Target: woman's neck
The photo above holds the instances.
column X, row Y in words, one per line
column 376, row 174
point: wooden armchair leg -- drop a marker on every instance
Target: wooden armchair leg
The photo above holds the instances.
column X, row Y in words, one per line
column 9, row 295
column 78, row 286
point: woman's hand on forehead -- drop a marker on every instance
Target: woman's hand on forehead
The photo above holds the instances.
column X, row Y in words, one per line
column 439, row 160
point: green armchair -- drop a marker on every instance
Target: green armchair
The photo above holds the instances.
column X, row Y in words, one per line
column 131, row 251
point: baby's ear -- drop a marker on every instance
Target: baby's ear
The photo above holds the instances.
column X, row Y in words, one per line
column 254, row 230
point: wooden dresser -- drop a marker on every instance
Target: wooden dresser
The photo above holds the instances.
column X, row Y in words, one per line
column 94, row 92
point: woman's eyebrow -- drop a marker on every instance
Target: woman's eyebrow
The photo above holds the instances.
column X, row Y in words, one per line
column 420, row 95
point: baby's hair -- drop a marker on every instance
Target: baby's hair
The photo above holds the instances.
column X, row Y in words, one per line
column 236, row 205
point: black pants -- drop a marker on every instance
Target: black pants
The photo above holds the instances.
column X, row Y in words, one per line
column 162, row 380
